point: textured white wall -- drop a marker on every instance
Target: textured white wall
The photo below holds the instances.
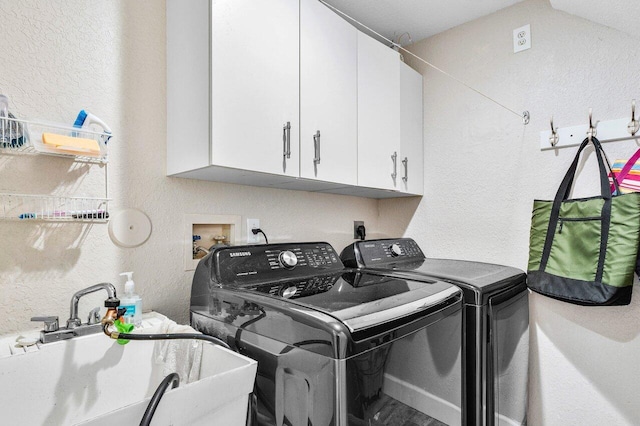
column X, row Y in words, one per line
column 109, row 58
column 483, row 169
column 619, row 14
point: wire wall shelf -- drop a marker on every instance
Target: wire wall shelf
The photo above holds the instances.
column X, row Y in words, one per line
column 22, row 137
column 33, row 137
column 21, row 207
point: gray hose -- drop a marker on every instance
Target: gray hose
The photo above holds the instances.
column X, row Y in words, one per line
column 170, row 336
column 172, row 379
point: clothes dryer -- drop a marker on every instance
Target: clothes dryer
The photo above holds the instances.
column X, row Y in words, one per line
column 495, row 344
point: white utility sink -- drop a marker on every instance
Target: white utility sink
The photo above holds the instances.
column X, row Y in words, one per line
column 92, row 380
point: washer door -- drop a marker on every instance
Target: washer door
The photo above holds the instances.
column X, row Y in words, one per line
column 412, row 380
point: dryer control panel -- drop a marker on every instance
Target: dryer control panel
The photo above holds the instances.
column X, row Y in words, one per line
column 372, row 253
column 272, row 262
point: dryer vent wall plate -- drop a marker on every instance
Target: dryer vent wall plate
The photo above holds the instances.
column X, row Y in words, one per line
column 129, row 228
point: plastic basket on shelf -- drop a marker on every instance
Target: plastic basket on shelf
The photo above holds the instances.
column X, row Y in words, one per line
column 53, row 208
column 53, row 139
column 68, row 140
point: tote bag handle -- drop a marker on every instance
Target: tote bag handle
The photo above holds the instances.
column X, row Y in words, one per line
column 603, row 165
column 625, row 170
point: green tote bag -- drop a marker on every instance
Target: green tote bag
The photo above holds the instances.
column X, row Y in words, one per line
column 584, row 251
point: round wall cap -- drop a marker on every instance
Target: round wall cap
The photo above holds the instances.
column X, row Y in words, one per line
column 129, row 228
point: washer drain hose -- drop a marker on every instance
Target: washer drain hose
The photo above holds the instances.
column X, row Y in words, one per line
column 172, row 379
column 167, row 336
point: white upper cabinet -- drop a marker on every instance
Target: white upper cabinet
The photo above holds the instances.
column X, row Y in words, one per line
column 287, row 94
column 233, row 85
column 411, row 165
column 378, row 115
column 328, row 95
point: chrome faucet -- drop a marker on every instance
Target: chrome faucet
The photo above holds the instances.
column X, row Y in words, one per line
column 52, row 332
column 73, row 320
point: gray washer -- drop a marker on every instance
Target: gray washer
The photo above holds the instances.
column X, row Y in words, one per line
column 334, row 346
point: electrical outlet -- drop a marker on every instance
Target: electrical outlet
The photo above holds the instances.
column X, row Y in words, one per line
column 252, row 224
column 357, row 223
column 522, row 38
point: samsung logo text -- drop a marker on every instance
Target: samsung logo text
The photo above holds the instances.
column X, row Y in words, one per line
column 240, row 254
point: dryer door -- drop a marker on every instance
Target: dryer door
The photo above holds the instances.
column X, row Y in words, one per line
column 509, row 359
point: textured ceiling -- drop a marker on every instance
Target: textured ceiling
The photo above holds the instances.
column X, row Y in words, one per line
column 623, row 15
column 419, row 18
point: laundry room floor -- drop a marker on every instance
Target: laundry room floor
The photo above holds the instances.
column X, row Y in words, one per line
column 391, row 412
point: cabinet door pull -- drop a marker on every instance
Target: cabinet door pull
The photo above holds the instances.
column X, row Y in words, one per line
column 394, row 157
column 316, row 147
column 405, row 162
column 286, row 140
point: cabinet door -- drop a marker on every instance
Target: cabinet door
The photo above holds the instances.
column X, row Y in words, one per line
column 255, row 85
column 378, row 114
column 411, row 162
column 328, row 95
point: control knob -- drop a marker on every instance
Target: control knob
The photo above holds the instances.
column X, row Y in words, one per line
column 288, row 259
column 395, row 250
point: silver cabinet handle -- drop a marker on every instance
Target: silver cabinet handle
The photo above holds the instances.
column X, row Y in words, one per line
column 394, row 157
column 286, row 140
column 406, row 169
column 316, row 147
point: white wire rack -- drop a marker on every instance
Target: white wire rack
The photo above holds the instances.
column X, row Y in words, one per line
column 22, row 207
column 22, row 136
column 82, row 145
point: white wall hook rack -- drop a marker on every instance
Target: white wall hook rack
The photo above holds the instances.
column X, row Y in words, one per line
column 607, row 131
column 634, row 125
column 553, row 135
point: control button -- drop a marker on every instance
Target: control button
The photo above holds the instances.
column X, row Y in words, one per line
column 288, row 259
column 395, row 250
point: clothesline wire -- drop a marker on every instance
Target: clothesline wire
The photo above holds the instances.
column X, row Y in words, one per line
column 524, row 115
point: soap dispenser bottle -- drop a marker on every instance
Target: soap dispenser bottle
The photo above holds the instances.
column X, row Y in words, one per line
column 131, row 301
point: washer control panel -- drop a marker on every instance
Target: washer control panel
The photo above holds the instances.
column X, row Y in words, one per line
column 269, row 262
column 376, row 252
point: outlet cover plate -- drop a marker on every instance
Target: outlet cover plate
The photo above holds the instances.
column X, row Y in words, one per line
column 357, row 223
column 522, row 38
column 252, row 224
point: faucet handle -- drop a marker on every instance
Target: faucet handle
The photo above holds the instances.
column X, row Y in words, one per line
column 50, row 323
column 94, row 316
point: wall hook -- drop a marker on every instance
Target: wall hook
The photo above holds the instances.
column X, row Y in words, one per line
column 593, row 131
column 554, row 138
column 634, row 125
